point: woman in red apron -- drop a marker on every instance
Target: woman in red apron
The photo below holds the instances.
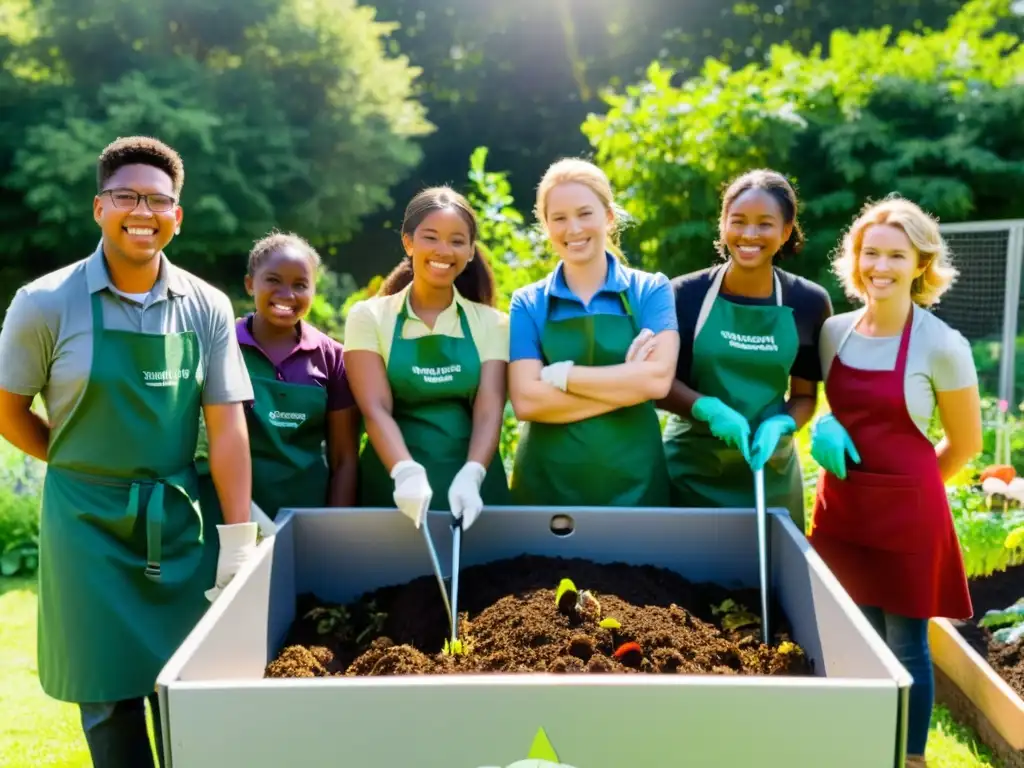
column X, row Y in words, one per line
column 882, row 523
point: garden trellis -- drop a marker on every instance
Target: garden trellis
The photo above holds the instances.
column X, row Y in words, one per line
column 984, row 304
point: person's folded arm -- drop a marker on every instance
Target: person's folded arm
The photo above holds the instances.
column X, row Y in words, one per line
column 633, row 382
column 368, row 378
column 537, row 400
column 230, row 461
column 488, row 412
column 532, row 398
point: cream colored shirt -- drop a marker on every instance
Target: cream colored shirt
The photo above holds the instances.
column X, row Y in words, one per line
column 370, row 325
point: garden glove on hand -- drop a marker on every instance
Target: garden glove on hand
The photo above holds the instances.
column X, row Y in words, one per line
column 641, row 347
column 237, row 544
column 464, row 493
column 725, row 423
column 412, row 490
column 829, row 445
column 557, row 374
column 766, row 440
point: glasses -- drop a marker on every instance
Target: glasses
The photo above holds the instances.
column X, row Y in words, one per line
column 128, row 199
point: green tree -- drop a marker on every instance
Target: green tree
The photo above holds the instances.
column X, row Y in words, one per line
column 288, row 114
column 932, row 115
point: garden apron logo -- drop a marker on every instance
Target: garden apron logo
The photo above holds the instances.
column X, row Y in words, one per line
column 750, row 343
column 437, row 375
column 286, row 419
column 541, row 755
column 165, row 378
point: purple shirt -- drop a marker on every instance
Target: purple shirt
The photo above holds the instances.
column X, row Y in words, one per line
column 316, row 360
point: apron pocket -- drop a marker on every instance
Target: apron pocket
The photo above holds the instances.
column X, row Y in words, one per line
column 875, row 510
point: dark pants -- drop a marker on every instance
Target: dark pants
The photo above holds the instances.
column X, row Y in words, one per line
column 908, row 640
column 116, row 733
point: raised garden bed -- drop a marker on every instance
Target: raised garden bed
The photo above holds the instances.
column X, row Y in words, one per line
column 219, row 708
column 979, row 680
column 527, row 614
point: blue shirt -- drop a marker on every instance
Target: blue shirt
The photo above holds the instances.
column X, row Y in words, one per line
column 649, row 295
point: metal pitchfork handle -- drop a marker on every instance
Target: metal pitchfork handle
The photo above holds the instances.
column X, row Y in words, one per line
column 762, row 551
column 449, row 605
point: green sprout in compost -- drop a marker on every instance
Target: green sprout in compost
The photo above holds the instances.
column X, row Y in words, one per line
column 453, row 648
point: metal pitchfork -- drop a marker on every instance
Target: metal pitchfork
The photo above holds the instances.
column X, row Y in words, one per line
column 451, row 605
column 762, row 551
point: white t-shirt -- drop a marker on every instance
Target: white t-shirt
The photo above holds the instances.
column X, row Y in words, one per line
column 939, row 358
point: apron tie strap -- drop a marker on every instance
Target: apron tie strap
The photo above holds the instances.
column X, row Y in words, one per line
column 154, row 530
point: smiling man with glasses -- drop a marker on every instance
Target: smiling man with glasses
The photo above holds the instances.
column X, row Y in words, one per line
column 126, row 349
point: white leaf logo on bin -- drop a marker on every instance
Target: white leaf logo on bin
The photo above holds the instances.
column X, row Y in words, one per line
column 542, row 755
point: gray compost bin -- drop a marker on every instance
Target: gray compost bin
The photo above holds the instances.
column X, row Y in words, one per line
column 219, row 711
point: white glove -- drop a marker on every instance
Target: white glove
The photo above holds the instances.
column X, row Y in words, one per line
column 557, row 374
column 412, row 490
column 641, row 347
column 464, row 493
column 237, row 544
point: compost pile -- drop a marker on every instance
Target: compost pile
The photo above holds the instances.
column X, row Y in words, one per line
column 610, row 618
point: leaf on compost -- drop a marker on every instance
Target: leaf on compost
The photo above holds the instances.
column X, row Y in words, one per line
column 610, row 623
column 1009, row 635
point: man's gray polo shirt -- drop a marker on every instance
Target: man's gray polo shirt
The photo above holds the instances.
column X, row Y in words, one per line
column 46, row 340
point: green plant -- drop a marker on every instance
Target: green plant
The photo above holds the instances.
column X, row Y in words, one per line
column 734, row 615
column 332, row 620
column 1008, row 623
column 375, row 623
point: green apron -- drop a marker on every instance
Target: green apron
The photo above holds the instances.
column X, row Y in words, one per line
column 287, row 430
column 611, row 460
column 122, row 576
column 742, row 355
column 433, row 381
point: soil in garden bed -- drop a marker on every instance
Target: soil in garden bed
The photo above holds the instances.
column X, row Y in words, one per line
column 996, row 592
column 509, row 622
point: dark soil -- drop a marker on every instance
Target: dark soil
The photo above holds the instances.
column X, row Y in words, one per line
column 509, row 622
column 996, row 592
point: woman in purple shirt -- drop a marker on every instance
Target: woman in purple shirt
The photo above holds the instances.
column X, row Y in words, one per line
column 303, row 423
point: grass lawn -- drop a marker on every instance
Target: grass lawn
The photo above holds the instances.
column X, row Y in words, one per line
column 38, row 731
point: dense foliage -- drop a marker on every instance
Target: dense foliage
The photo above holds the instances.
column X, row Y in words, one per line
column 933, row 115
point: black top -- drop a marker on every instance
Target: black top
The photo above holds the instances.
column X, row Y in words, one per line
column 810, row 303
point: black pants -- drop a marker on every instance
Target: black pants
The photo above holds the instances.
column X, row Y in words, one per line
column 116, row 733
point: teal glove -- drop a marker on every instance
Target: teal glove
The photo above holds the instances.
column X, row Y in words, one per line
column 725, row 423
column 767, row 438
column 829, row 445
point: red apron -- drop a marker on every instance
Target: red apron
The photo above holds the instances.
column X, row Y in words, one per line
column 886, row 531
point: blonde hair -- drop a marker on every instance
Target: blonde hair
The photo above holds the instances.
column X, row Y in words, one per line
column 923, row 232
column 574, row 170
